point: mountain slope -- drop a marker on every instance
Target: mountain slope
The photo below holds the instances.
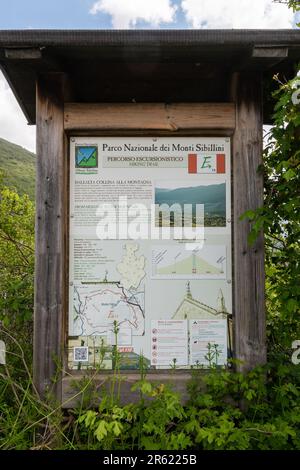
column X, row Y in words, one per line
column 212, row 196
column 18, row 165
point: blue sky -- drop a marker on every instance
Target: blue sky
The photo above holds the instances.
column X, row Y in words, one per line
column 68, row 14
column 88, row 14
column 50, row 14
column 106, row 14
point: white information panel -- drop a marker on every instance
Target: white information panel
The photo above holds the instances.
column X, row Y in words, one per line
column 150, row 251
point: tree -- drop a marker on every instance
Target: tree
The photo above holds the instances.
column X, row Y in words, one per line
column 294, row 4
column 16, row 258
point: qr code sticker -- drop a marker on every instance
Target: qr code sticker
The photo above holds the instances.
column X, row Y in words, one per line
column 81, row 354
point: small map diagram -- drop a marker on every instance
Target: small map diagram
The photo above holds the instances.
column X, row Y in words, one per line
column 176, row 262
column 132, row 267
column 98, row 305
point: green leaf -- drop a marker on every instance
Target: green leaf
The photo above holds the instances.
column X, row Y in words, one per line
column 116, row 428
column 146, row 388
column 101, row 430
column 289, row 174
column 250, row 214
column 90, row 418
column 292, row 305
column 252, row 237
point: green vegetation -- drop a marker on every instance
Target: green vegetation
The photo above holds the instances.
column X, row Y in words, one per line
column 18, row 166
column 225, row 411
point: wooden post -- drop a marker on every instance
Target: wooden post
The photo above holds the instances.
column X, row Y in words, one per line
column 249, row 278
column 51, row 206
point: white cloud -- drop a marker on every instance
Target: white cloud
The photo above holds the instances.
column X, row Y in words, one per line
column 237, row 14
column 126, row 13
column 13, row 124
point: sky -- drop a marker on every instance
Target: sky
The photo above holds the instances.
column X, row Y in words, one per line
column 124, row 14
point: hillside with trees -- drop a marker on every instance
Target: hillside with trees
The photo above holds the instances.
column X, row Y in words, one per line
column 18, row 167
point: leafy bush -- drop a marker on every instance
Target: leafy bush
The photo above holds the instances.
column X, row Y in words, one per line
column 16, row 257
column 223, row 410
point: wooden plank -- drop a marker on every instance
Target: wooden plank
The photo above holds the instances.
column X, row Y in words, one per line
column 66, row 232
column 71, row 396
column 51, row 204
column 249, row 278
column 146, row 116
column 157, row 72
column 132, row 89
column 151, row 133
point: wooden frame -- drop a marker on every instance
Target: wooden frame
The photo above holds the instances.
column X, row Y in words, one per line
column 248, row 261
column 51, row 232
column 145, row 116
column 56, row 120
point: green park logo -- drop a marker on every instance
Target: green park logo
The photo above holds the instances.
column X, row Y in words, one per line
column 86, row 156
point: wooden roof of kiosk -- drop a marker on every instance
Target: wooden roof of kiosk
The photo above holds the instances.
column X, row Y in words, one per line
column 143, row 65
column 162, row 82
